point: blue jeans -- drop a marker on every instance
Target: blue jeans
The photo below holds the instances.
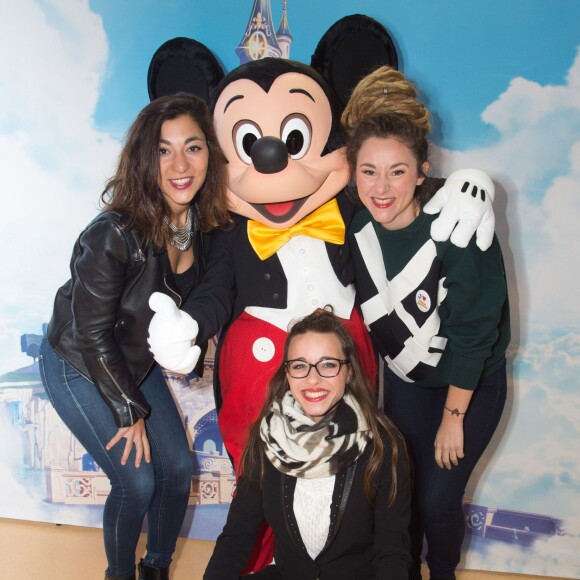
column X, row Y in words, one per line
column 158, row 490
column 437, row 512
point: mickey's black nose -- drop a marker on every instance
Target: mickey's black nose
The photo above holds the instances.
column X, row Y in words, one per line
column 269, row 155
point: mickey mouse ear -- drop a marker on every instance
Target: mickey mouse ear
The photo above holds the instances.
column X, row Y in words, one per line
column 183, row 64
column 350, row 49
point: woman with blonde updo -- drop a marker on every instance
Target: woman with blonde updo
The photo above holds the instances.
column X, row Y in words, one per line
column 385, row 91
column 438, row 314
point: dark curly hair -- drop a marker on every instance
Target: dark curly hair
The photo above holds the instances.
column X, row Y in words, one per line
column 134, row 191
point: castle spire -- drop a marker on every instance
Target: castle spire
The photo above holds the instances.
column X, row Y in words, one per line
column 259, row 40
column 284, row 35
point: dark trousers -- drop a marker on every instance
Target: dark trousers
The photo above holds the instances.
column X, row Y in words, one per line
column 437, row 512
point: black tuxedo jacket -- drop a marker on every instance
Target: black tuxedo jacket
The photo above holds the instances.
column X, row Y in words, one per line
column 236, row 278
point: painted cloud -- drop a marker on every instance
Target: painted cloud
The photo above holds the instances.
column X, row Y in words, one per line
column 52, row 155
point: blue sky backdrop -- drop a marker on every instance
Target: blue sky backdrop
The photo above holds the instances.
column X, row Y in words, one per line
column 462, row 54
column 502, row 79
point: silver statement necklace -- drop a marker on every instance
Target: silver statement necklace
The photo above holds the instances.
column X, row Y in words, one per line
column 181, row 237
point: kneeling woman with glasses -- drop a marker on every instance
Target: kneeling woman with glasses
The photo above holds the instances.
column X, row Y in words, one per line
column 323, row 467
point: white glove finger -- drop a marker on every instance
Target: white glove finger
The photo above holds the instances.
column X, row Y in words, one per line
column 188, row 327
column 175, row 350
column 162, row 303
column 169, row 362
column 182, row 329
column 436, row 203
column 442, row 227
column 171, row 336
column 173, row 364
column 189, row 362
column 464, row 232
column 485, row 233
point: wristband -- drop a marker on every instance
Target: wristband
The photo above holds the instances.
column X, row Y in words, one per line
column 454, row 411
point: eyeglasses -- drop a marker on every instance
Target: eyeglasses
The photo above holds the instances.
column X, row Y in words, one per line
column 326, row 368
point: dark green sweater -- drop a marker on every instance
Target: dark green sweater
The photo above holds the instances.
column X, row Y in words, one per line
column 440, row 315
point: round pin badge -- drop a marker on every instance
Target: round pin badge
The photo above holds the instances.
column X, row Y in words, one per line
column 423, row 301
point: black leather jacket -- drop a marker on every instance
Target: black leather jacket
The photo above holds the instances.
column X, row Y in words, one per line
column 101, row 315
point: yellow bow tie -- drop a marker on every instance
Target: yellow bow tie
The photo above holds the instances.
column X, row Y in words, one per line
column 325, row 223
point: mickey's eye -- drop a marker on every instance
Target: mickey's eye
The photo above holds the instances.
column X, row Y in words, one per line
column 244, row 135
column 297, row 134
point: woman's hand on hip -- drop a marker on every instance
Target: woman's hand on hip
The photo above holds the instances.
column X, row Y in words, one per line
column 135, row 434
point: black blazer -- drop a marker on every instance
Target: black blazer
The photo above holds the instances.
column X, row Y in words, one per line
column 365, row 541
column 236, row 277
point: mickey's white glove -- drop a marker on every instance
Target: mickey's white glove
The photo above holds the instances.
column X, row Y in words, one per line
column 466, row 200
column 172, row 334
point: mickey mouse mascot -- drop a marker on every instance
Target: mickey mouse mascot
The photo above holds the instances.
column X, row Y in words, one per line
column 277, row 122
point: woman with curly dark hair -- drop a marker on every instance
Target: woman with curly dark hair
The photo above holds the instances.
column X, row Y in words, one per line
column 97, row 370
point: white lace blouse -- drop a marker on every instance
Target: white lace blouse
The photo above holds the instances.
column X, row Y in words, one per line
column 312, row 500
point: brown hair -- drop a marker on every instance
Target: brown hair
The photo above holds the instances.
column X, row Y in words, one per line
column 134, row 190
column 325, row 322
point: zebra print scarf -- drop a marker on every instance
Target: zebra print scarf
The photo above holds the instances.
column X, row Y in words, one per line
column 298, row 446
